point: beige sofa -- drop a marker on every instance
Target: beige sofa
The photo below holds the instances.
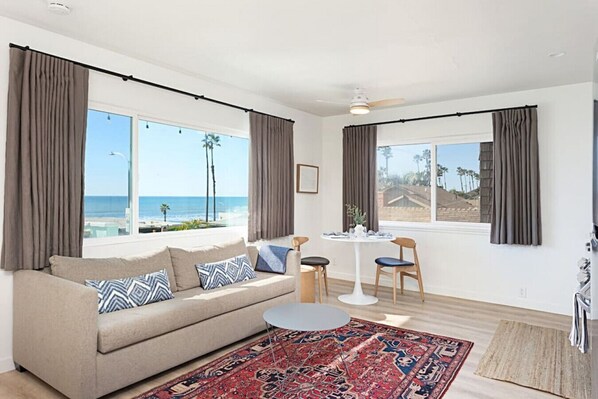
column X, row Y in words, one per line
column 60, row 337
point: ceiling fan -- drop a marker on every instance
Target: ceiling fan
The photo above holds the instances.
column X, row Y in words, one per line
column 360, row 104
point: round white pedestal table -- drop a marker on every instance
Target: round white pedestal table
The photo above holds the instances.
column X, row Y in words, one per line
column 357, row 297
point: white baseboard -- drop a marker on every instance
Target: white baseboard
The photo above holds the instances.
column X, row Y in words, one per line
column 6, row 364
column 524, row 303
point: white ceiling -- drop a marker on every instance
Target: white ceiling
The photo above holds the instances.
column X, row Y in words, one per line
column 297, row 52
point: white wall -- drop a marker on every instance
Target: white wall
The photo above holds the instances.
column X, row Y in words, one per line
column 463, row 263
column 157, row 104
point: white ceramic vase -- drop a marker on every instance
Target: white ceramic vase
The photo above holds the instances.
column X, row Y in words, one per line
column 360, row 230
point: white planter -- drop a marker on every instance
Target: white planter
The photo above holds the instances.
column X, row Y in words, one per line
column 360, row 230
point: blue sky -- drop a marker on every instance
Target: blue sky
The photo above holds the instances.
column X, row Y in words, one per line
column 449, row 155
column 170, row 164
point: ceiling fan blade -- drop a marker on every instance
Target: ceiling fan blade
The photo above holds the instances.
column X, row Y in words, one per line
column 387, row 103
column 331, row 102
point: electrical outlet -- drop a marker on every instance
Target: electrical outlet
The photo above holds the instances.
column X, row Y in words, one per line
column 523, row 292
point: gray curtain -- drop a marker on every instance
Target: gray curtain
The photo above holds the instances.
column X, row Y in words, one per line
column 45, row 148
column 516, row 215
column 271, row 187
column 359, row 173
column 486, row 179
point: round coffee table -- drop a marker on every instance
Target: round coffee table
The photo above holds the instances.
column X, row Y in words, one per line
column 305, row 317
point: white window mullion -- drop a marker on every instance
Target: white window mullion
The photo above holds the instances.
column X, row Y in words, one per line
column 433, row 178
column 135, row 176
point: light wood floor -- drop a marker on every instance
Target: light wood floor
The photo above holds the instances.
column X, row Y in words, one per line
column 473, row 321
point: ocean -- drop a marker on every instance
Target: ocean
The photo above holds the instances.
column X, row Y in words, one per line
column 181, row 208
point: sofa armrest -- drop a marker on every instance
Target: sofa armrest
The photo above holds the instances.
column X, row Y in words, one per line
column 55, row 331
column 294, row 269
column 293, row 263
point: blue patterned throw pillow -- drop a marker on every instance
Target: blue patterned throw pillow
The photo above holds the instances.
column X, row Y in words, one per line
column 225, row 272
column 130, row 292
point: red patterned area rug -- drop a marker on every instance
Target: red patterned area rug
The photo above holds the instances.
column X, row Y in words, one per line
column 383, row 362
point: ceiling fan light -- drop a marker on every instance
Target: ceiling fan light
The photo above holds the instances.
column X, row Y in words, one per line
column 359, row 109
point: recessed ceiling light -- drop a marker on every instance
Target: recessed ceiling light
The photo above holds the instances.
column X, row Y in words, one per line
column 557, row 54
column 59, row 7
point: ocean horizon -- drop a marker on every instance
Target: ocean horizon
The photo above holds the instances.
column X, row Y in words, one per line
column 181, row 208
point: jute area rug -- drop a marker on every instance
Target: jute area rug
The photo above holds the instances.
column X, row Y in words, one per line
column 539, row 358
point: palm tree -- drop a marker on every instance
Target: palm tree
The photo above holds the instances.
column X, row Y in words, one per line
column 417, row 158
column 461, row 173
column 214, row 142
column 465, row 180
column 387, row 154
column 427, row 157
column 441, row 171
column 476, row 176
column 164, row 208
column 444, row 173
column 470, row 174
column 206, row 145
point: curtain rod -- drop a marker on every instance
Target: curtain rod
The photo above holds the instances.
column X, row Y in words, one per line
column 459, row 114
column 148, row 83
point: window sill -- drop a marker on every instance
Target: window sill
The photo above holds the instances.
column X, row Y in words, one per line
column 482, row 229
column 163, row 236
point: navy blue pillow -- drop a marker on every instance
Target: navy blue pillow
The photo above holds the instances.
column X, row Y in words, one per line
column 272, row 259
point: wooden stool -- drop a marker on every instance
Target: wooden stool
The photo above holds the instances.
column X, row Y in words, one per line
column 308, row 284
column 318, row 263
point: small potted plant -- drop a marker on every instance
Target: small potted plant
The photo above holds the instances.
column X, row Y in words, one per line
column 358, row 216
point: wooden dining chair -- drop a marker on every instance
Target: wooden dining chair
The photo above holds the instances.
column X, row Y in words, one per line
column 403, row 268
column 319, row 264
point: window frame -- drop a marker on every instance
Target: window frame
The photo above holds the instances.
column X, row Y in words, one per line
column 436, row 225
column 135, row 235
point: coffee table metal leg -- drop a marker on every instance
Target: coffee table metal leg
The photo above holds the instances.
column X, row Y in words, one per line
column 273, row 343
column 311, row 354
column 268, row 327
column 340, row 346
column 275, row 340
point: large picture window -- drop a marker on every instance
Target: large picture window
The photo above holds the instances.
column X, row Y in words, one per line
column 179, row 172
column 459, row 183
column 461, row 189
column 107, row 201
column 186, row 179
column 404, row 174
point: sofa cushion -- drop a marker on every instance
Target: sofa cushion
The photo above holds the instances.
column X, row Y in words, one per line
column 127, row 327
column 130, row 292
column 225, row 272
column 183, row 261
column 81, row 269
